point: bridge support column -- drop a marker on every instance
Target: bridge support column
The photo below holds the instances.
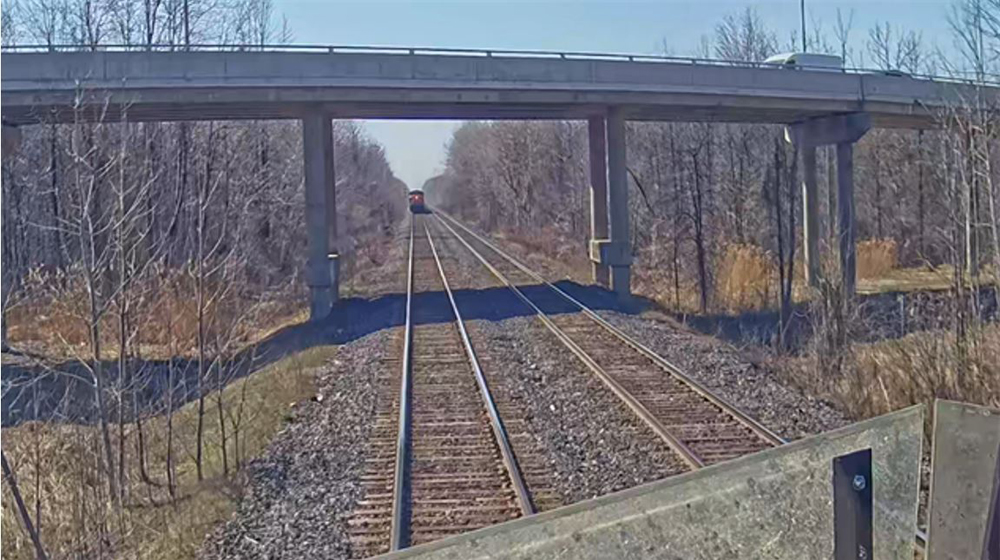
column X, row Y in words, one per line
column 598, row 193
column 843, row 131
column 621, row 255
column 332, row 242
column 810, row 216
column 317, row 145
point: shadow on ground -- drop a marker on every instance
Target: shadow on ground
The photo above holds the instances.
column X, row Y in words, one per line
column 884, row 316
column 64, row 392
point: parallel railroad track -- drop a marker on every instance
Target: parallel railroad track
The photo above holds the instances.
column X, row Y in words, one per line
column 699, row 425
column 440, row 461
column 696, row 424
column 450, row 466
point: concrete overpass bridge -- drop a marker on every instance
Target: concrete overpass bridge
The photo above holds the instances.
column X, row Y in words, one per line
column 316, row 84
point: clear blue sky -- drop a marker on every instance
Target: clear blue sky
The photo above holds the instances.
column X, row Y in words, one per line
column 415, row 149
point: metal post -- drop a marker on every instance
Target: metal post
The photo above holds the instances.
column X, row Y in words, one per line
column 619, row 211
column 853, row 491
column 598, row 192
column 317, row 146
column 846, row 227
column 810, row 213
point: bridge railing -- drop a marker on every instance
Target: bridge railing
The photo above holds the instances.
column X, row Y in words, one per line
column 955, row 77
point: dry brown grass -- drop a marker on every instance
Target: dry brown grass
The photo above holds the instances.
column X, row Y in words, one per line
column 941, row 277
column 549, row 253
column 744, row 279
column 892, row 374
column 877, row 257
column 888, row 375
column 53, row 317
column 152, row 526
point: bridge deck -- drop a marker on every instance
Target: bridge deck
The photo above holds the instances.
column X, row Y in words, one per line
column 204, row 85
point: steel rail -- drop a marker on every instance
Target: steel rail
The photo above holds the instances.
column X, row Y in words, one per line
column 682, row 450
column 920, row 536
column 992, row 80
column 756, row 427
column 496, row 423
column 400, row 487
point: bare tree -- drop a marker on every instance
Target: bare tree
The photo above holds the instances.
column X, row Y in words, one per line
column 744, row 37
column 890, row 52
column 9, row 15
column 842, row 31
column 29, row 527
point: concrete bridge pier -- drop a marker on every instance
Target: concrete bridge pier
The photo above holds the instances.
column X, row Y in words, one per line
column 842, row 131
column 598, row 194
column 610, row 248
column 621, row 255
column 322, row 268
column 810, row 216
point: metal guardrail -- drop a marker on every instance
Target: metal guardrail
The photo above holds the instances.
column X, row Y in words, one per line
column 483, row 53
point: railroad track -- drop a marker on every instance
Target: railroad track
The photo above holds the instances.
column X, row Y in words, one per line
column 704, row 437
column 699, row 426
column 440, row 461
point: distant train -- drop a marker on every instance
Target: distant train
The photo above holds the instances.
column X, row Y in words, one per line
column 417, row 205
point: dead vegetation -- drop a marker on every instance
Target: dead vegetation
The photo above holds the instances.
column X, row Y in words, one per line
column 51, row 317
column 744, row 279
column 141, row 263
column 877, row 257
column 922, row 366
column 167, row 509
column 128, row 242
column 867, row 380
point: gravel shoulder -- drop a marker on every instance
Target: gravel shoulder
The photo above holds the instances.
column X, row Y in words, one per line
column 300, row 492
column 754, row 388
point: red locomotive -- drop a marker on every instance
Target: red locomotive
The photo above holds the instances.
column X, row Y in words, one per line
column 417, row 205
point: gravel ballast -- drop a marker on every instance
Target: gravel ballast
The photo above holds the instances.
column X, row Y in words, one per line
column 755, row 389
column 300, row 492
column 595, row 444
column 299, row 496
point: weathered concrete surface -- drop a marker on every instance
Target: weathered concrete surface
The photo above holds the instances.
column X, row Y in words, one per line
column 618, row 209
column 257, row 85
column 777, row 504
column 599, row 228
column 966, row 444
column 317, row 161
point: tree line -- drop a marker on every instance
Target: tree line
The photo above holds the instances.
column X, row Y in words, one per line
column 702, row 194
column 141, row 258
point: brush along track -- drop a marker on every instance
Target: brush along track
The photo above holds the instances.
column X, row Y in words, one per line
column 451, row 468
column 696, row 424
